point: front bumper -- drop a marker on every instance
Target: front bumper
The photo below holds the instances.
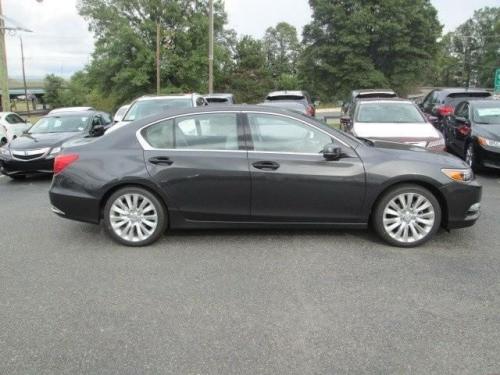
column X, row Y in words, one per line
column 11, row 167
column 462, row 204
column 488, row 157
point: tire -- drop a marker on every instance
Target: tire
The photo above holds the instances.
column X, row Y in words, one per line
column 129, row 215
column 422, row 220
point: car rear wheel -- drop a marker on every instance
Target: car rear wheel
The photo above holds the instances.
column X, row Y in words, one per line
column 135, row 217
column 407, row 216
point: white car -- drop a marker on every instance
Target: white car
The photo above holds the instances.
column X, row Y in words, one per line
column 71, row 109
column 152, row 104
column 395, row 120
column 11, row 126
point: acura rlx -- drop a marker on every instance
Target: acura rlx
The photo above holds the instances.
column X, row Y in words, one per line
column 256, row 167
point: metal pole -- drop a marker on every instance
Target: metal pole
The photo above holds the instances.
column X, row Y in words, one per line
column 211, row 48
column 24, row 78
column 158, row 82
column 4, row 76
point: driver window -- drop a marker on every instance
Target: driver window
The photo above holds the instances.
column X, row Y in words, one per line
column 280, row 134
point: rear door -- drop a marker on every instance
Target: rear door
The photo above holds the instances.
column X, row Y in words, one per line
column 200, row 161
column 292, row 182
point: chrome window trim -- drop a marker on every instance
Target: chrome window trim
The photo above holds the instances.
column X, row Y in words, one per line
column 147, row 147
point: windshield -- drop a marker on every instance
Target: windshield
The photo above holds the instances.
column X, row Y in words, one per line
column 145, row 108
column 400, row 113
column 487, row 113
column 61, row 124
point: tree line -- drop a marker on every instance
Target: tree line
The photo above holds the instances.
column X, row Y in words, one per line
column 347, row 44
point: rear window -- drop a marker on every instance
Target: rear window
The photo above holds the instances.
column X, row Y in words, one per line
column 469, row 95
column 285, row 97
column 376, row 95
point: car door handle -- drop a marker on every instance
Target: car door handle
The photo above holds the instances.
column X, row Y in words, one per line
column 266, row 165
column 161, row 160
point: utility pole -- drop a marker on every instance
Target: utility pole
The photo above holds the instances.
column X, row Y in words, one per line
column 158, row 79
column 24, row 78
column 211, row 48
column 4, row 76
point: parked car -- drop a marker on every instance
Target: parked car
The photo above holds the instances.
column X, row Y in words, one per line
column 120, row 113
column 11, row 126
column 396, row 120
column 300, row 96
column 366, row 94
column 473, row 132
column 440, row 103
column 255, row 167
column 35, row 150
column 71, row 109
column 220, row 99
column 153, row 104
column 292, row 105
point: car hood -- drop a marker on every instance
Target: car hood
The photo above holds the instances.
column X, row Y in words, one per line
column 396, row 132
column 488, row 131
column 35, row 141
column 411, row 152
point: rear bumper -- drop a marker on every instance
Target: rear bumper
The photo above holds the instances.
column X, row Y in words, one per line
column 12, row 167
column 74, row 205
column 463, row 204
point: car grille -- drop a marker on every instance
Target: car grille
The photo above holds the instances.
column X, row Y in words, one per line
column 29, row 154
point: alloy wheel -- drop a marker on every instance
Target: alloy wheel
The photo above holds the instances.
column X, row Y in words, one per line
column 408, row 217
column 133, row 217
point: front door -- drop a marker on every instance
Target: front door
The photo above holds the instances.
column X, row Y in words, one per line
column 292, row 182
column 201, row 164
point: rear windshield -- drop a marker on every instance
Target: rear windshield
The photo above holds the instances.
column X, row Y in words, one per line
column 469, row 95
column 399, row 113
column 145, row 108
column 376, row 95
column 285, row 97
column 217, row 100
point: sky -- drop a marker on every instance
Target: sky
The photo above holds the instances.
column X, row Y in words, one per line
column 61, row 43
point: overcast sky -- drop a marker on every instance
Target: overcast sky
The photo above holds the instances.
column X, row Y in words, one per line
column 61, row 43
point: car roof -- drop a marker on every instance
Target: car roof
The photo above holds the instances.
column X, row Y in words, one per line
column 384, row 100
column 373, row 91
column 71, row 109
column 221, row 95
column 286, row 92
column 173, row 96
column 455, row 90
column 73, row 113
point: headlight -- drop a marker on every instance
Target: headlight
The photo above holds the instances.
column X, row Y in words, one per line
column 5, row 151
column 488, row 142
column 55, row 151
column 437, row 144
column 460, row 175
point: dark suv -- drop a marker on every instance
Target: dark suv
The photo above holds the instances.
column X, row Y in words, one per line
column 440, row 103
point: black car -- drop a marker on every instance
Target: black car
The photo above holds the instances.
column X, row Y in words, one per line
column 35, row 150
column 255, row 167
column 440, row 103
column 473, row 133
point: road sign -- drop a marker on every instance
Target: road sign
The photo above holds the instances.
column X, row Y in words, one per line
column 497, row 81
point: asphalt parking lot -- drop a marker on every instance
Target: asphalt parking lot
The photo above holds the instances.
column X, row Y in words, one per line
column 249, row 302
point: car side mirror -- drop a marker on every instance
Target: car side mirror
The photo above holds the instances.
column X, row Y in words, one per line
column 97, row 130
column 332, row 152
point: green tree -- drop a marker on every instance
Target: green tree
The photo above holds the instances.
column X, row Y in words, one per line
column 363, row 44
column 282, row 49
column 54, row 88
column 123, row 64
column 250, row 79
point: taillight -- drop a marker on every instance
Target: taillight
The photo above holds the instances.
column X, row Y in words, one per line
column 62, row 162
column 444, row 110
column 311, row 111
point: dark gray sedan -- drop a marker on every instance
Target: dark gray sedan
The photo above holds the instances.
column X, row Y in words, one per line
column 256, row 167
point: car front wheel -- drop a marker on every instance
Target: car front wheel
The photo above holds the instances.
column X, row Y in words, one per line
column 407, row 216
column 135, row 217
